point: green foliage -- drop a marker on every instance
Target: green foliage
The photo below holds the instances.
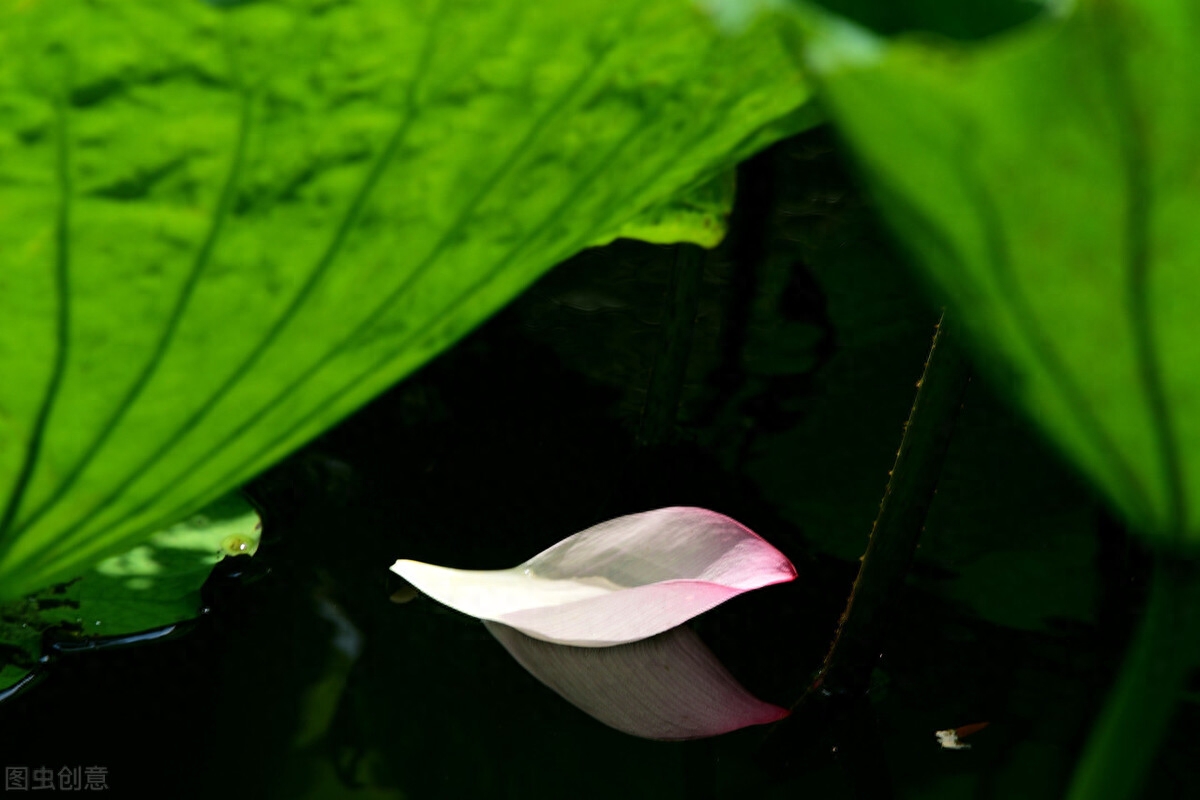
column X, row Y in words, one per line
column 1046, row 182
column 158, row 582
column 155, row 584
column 697, row 216
column 225, row 226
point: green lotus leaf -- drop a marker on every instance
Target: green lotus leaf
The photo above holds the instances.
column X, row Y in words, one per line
column 158, row 582
column 1047, row 181
column 154, row 585
column 226, row 226
column 698, row 216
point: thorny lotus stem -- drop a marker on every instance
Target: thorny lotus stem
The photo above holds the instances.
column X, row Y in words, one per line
column 901, row 518
column 837, row 699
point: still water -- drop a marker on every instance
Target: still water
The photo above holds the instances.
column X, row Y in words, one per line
column 318, row 673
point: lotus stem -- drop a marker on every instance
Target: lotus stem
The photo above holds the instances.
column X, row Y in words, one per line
column 1140, row 707
column 902, row 512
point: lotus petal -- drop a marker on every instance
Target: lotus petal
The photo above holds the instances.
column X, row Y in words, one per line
column 669, row 686
column 620, row 581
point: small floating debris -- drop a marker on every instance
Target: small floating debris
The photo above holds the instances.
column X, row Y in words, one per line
column 951, row 738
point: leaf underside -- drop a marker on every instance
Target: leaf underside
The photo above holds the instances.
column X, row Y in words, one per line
column 225, row 227
column 1047, row 183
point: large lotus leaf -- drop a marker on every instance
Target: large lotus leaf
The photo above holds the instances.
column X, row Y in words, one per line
column 1048, row 182
column 225, row 226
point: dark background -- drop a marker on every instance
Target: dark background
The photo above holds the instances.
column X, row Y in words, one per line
column 809, row 336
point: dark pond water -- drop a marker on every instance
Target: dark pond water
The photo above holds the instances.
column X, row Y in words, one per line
column 809, row 335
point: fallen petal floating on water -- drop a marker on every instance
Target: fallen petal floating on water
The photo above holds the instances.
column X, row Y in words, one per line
column 668, row 686
column 620, row 581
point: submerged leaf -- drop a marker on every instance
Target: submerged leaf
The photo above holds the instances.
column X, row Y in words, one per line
column 1047, row 182
column 619, row 581
column 669, row 686
column 224, row 227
